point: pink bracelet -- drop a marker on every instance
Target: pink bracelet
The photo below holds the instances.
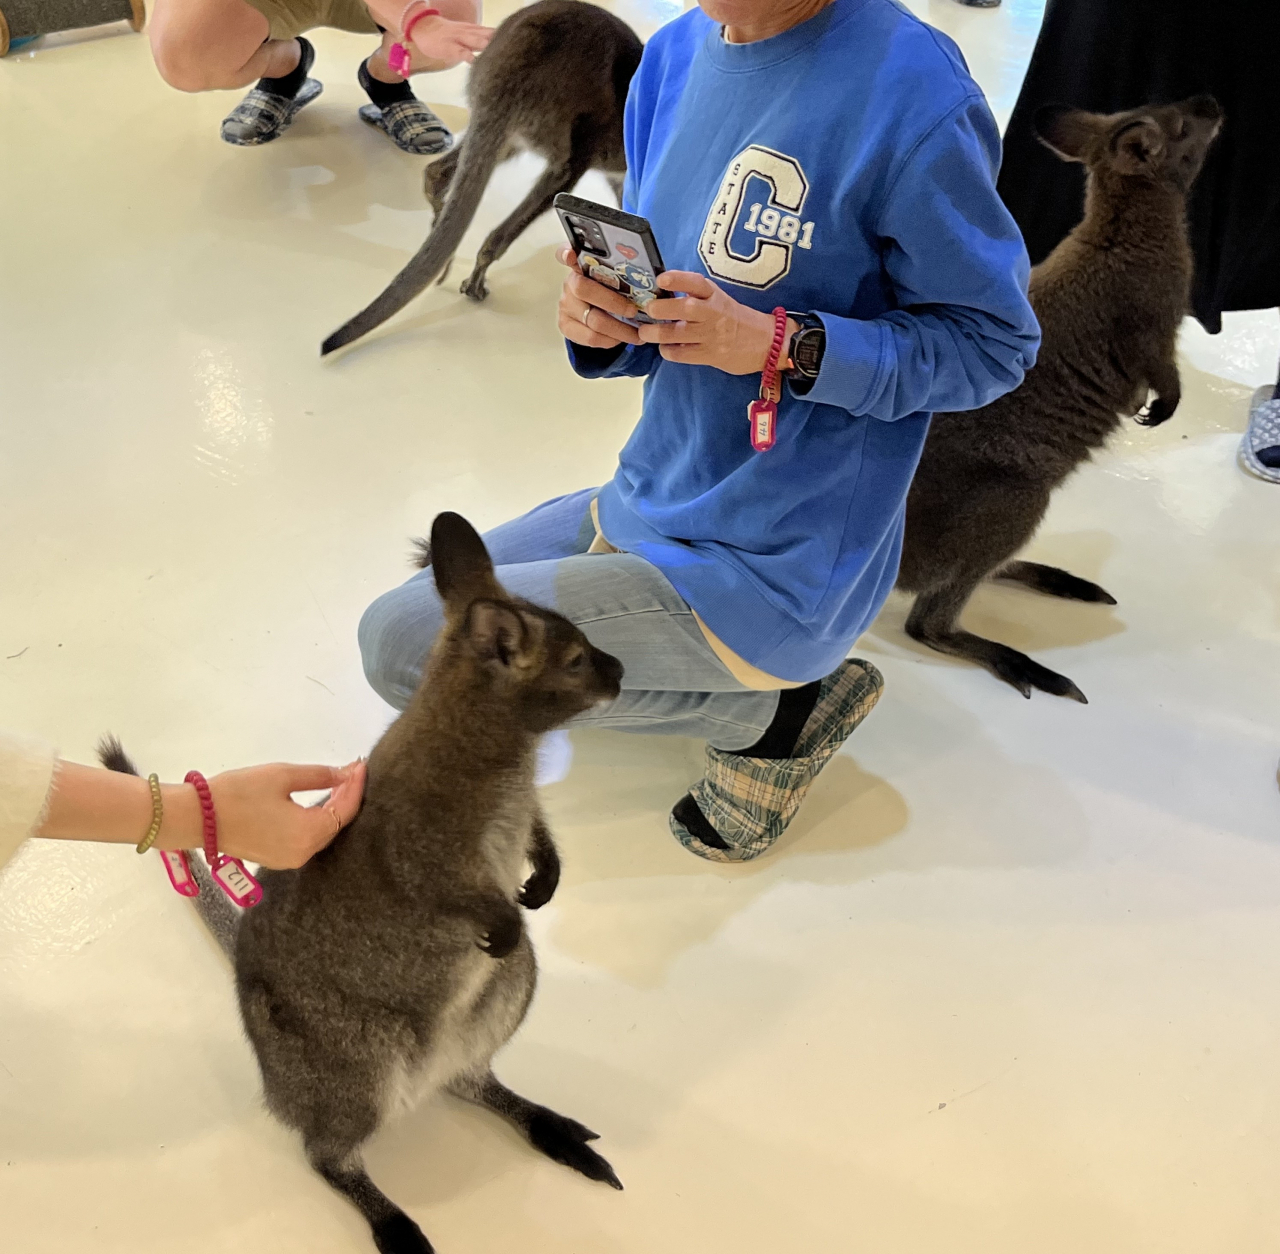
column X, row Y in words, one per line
column 228, row 873
column 400, row 59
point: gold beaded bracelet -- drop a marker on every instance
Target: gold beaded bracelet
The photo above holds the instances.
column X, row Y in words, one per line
column 157, row 814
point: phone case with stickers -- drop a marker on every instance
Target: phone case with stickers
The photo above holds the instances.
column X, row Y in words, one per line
column 614, row 248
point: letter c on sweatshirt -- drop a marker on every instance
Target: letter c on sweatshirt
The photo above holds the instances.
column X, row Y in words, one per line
column 769, row 259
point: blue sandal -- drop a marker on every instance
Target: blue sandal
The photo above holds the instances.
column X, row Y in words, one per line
column 1260, row 448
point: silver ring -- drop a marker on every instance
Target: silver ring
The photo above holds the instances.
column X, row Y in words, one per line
column 337, row 819
column 586, row 314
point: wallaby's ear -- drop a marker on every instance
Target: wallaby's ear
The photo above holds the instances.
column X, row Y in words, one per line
column 1137, row 146
column 496, row 632
column 460, row 562
column 1069, row 132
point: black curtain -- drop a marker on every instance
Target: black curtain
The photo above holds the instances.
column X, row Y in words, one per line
column 1111, row 55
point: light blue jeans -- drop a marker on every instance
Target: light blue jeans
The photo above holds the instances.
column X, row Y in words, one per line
column 674, row 683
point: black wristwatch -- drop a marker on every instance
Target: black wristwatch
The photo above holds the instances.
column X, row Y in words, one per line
column 807, row 347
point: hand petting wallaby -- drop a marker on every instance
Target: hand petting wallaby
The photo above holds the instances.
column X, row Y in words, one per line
column 554, row 80
column 1110, row 299
column 396, row 962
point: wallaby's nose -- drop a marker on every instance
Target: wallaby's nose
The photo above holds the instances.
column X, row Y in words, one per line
column 1205, row 107
column 610, row 670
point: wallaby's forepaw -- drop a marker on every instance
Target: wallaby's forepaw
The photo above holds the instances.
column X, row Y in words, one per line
column 500, row 928
column 565, row 1141
column 541, row 886
column 1160, row 410
column 1025, row 674
column 475, row 287
column 398, row 1234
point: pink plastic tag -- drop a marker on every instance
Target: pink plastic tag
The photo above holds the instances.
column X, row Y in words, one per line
column 235, row 881
column 175, row 862
column 763, row 416
column 399, row 60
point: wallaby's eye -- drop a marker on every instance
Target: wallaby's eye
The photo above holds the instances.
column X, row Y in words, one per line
column 575, row 661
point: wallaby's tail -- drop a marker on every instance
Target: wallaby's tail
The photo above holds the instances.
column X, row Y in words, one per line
column 481, row 148
column 219, row 915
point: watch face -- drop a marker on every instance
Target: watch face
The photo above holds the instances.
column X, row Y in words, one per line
column 806, row 350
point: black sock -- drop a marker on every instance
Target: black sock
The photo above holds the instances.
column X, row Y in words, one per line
column 779, row 739
column 1269, row 457
column 686, row 811
column 289, row 85
column 383, row 94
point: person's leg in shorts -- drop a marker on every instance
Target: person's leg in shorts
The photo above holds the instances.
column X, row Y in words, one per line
column 216, row 45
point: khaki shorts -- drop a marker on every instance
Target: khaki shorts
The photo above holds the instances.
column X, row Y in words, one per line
column 290, row 18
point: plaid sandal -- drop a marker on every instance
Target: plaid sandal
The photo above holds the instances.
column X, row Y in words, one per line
column 1260, row 448
column 411, row 126
column 263, row 115
column 742, row 805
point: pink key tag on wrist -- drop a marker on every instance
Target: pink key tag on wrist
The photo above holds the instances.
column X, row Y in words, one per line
column 763, row 416
column 235, row 881
column 175, row 862
column 400, row 60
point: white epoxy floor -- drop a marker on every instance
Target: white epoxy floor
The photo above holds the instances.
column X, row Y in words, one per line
column 1009, row 983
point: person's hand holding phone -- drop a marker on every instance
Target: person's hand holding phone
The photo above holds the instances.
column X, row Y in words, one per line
column 589, row 312
column 706, row 327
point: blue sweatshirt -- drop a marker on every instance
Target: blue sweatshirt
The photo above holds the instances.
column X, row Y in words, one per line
column 845, row 167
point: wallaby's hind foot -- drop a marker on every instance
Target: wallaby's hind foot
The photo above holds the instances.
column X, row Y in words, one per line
column 932, row 623
column 1053, row 582
column 560, row 1138
column 393, row 1231
column 564, row 1140
column 1025, row 673
column 400, row 1235
column 474, row 286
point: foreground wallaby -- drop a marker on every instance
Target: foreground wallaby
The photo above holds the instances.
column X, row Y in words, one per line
column 395, row 963
column 1110, row 299
column 553, row 80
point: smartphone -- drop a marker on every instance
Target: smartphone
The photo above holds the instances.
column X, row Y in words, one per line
column 614, row 248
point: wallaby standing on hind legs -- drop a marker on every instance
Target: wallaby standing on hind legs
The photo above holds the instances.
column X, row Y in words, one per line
column 1110, row 299
column 395, row 963
column 554, row 80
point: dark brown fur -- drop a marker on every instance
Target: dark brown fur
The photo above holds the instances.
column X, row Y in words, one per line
column 553, row 80
column 396, row 962
column 1110, row 299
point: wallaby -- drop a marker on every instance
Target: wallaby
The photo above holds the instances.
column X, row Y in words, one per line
column 1110, row 299
column 553, row 80
column 395, row 963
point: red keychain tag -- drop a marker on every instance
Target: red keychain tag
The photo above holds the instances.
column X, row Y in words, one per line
column 235, row 881
column 763, row 416
column 175, row 862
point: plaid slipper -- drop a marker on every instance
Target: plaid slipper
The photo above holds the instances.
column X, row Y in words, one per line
column 746, row 803
column 411, row 126
column 1260, row 448
column 263, row 116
